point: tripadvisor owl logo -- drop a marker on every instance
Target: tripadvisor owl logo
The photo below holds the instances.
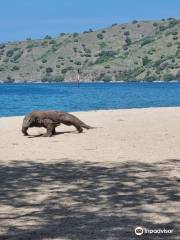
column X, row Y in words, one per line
column 139, row 231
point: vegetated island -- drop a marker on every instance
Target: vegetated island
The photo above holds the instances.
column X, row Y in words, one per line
column 136, row 51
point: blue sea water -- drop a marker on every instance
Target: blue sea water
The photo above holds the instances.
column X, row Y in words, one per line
column 19, row 99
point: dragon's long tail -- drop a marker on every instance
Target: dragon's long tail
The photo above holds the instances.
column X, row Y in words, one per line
column 83, row 125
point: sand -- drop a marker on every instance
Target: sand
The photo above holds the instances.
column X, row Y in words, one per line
column 99, row 184
column 146, row 135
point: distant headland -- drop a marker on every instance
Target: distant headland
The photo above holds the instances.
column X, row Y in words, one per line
column 136, row 51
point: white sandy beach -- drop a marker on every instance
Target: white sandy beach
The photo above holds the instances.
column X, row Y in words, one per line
column 146, row 135
column 100, row 184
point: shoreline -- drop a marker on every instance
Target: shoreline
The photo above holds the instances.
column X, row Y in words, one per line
column 101, row 110
column 106, row 82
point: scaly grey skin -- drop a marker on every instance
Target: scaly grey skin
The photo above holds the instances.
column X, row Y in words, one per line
column 50, row 120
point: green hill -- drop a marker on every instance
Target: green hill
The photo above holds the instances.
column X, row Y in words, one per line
column 141, row 50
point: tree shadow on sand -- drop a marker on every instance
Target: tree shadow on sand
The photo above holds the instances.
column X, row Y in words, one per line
column 84, row 201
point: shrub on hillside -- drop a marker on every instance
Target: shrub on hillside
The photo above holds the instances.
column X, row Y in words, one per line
column 168, row 77
column 105, row 56
column 126, row 75
column 16, row 49
column 77, row 63
column 87, row 55
column 173, row 22
column 44, row 43
column 170, row 18
column 175, row 38
column 178, row 53
column 169, row 44
column 15, row 68
column 9, row 79
column 55, row 78
column 2, row 45
column 75, row 49
column 54, row 48
column 29, row 46
column 99, row 36
column 134, row 21
column 146, row 41
column 75, row 34
column 151, row 51
column 145, row 60
column 67, row 69
column 6, row 60
column 178, row 75
column 174, row 32
column 102, row 45
column 49, row 70
column 52, row 41
column 125, row 48
column 128, row 41
column 47, row 37
column 1, row 52
column 155, row 24
column 9, row 53
column 107, row 66
column 17, row 56
column 157, row 63
column 44, row 61
column 126, row 33
column 103, row 77
column 162, row 28
column 150, row 77
column 87, row 50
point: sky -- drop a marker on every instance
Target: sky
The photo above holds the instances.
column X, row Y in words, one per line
column 21, row 19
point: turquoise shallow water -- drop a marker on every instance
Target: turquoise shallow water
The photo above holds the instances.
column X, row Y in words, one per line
column 19, row 99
